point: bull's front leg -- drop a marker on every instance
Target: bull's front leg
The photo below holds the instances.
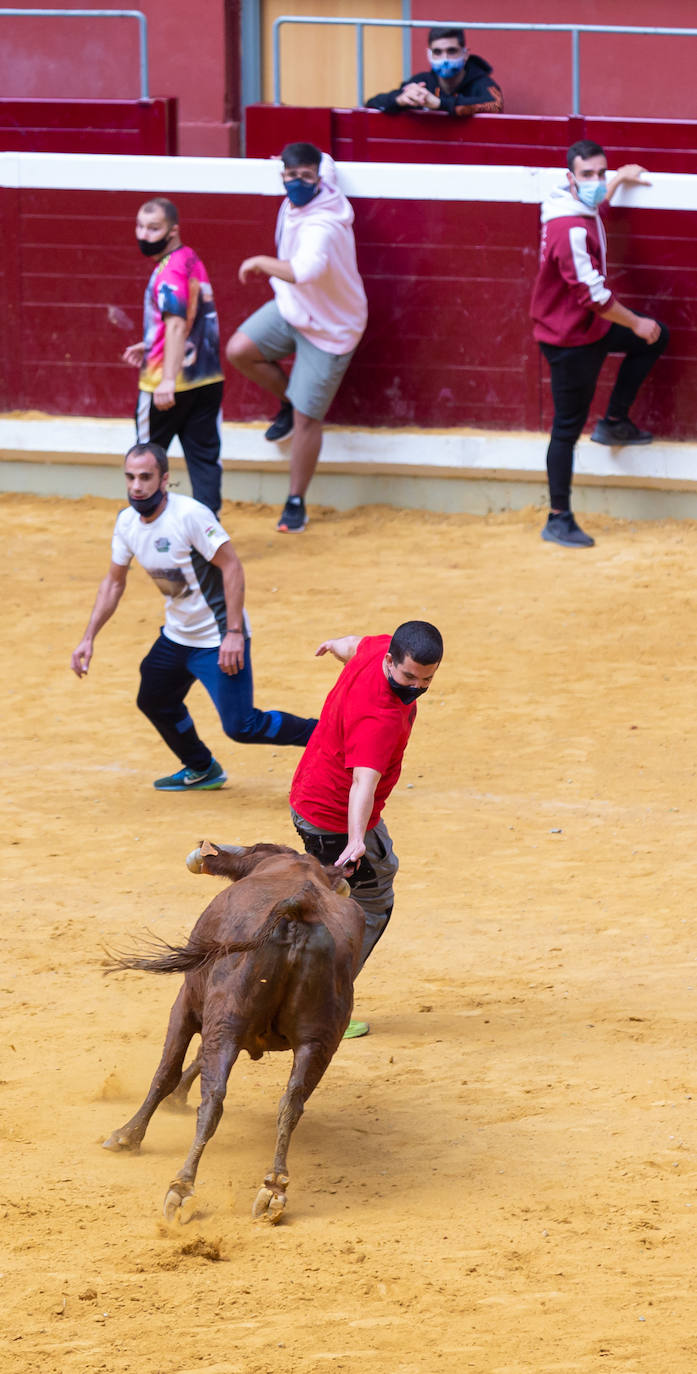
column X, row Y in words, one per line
column 214, row 1076
column 182, row 1026
column 309, row 1064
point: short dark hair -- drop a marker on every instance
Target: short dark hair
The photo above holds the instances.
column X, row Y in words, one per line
column 168, row 209
column 433, row 36
column 420, row 640
column 584, row 149
column 158, row 453
column 301, row 155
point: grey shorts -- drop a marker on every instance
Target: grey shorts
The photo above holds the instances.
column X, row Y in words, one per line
column 374, row 895
column 315, row 376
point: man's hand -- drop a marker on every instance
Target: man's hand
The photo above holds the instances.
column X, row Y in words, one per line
column 428, row 99
column 352, row 854
column 413, row 96
column 133, row 355
column 81, row 657
column 231, row 654
column 163, row 396
column 646, row 329
column 632, row 174
column 343, row 648
column 251, row 267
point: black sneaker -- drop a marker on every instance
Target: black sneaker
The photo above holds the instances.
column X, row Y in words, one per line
column 281, row 426
column 293, row 517
column 620, row 432
column 561, row 528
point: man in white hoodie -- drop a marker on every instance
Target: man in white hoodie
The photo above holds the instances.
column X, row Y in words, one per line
column 318, row 314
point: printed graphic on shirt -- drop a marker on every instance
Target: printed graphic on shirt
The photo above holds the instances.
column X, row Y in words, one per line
column 171, row 581
column 179, row 286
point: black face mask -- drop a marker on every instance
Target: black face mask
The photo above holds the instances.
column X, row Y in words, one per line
column 405, row 694
column 151, row 250
column 147, row 505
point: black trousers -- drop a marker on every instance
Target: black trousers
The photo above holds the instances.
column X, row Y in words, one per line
column 195, row 418
column 574, row 374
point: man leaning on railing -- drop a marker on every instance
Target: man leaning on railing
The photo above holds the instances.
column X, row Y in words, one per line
column 458, row 83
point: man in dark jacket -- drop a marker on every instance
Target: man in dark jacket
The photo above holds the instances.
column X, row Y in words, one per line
column 458, row 83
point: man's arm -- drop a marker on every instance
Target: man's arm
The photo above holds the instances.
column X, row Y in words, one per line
column 176, row 334
column 343, row 649
column 133, row 355
column 647, row 329
column 264, row 266
column 629, row 175
column 231, row 654
column 360, row 805
column 110, row 591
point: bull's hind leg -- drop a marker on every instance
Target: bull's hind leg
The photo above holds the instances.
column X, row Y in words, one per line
column 214, row 1076
column 309, row 1063
column 182, row 1026
column 176, row 1102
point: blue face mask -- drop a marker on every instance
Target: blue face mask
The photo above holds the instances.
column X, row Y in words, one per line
column 448, row 66
column 591, row 193
column 299, row 192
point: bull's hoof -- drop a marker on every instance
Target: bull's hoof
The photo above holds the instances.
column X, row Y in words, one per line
column 270, row 1201
column 122, row 1139
column 177, row 1193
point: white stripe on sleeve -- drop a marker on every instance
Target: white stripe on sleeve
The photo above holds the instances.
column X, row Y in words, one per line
column 587, row 274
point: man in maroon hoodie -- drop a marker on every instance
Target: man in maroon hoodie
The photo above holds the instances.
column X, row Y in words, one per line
column 578, row 320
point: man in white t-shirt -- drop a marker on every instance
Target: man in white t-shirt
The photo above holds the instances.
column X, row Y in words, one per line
column 206, row 634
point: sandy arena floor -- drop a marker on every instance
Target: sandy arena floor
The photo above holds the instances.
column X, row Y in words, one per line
column 501, row 1177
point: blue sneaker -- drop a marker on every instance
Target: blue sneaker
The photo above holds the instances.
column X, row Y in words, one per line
column 187, row 780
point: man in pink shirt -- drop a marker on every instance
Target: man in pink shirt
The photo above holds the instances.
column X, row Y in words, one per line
column 318, row 314
column 578, row 320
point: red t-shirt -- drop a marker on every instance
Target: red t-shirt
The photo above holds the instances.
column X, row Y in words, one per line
column 362, row 725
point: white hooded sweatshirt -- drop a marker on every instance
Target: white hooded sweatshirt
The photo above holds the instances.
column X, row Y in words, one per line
column 326, row 302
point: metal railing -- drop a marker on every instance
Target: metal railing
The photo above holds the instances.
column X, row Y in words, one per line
column 100, row 14
column 575, row 30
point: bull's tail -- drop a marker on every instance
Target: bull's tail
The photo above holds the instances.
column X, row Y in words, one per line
column 196, row 954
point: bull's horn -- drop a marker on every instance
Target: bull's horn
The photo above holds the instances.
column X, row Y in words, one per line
column 194, row 862
column 342, row 888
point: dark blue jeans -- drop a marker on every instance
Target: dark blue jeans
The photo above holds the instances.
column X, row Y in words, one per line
column 167, row 673
column 574, row 374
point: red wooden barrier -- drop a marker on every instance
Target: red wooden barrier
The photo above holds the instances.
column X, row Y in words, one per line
column 89, row 126
column 500, row 140
column 449, row 341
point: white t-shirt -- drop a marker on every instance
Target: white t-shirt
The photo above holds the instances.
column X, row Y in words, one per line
column 176, row 549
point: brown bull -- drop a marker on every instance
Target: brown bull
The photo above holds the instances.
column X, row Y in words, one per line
column 268, row 966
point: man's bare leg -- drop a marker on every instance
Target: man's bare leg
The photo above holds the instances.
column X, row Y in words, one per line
column 247, row 358
column 304, row 452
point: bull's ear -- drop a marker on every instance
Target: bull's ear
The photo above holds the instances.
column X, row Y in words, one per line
column 207, row 848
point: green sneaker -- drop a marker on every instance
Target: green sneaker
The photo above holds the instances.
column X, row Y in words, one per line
column 356, row 1029
column 187, row 780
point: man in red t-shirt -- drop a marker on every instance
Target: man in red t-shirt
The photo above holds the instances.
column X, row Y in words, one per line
column 354, row 758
